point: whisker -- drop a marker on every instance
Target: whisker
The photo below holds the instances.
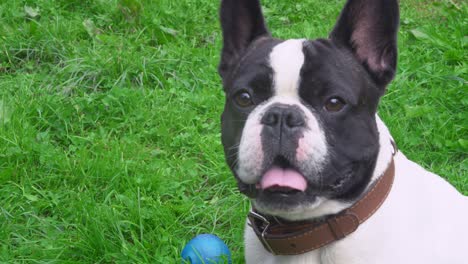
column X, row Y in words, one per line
column 234, row 146
column 232, row 154
column 235, row 163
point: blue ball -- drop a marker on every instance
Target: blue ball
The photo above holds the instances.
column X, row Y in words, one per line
column 206, row 249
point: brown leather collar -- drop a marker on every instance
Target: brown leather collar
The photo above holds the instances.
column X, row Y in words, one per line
column 293, row 238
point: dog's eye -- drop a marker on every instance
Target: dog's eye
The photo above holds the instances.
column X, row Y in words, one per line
column 243, row 99
column 334, row 104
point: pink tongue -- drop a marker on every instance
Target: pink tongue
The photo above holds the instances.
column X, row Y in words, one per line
column 283, row 178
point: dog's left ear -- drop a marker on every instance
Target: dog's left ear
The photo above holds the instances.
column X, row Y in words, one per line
column 242, row 22
column 369, row 29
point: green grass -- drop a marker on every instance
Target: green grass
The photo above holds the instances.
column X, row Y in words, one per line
column 109, row 121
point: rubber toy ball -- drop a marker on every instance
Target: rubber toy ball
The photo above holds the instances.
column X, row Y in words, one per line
column 206, row 249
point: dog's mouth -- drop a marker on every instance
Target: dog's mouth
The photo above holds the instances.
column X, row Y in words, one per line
column 282, row 179
column 282, row 188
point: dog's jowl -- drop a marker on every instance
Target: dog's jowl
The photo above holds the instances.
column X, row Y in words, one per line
column 301, row 135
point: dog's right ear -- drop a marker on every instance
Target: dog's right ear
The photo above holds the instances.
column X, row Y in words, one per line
column 369, row 29
column 242, row 22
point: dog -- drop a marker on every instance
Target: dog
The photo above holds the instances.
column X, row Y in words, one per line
column 302, row 137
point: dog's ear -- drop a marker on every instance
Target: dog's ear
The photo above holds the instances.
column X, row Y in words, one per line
column 242, row 22
column 369, row 29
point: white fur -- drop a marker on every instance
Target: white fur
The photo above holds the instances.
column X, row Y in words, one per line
column 250, row 153
column 286, row 60
column 423, row 220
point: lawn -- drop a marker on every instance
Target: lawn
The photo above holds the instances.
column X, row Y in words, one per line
column 109, row 120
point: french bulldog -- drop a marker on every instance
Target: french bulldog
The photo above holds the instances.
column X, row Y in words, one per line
column 302, row 137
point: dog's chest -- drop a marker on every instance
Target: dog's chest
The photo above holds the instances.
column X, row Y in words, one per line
column 412, row 219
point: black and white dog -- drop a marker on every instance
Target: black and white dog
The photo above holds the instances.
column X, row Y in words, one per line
column 300, row 131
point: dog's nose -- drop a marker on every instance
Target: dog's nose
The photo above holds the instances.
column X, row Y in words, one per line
column 283, row 117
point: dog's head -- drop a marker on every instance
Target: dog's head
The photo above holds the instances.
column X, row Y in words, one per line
column 299, row 124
